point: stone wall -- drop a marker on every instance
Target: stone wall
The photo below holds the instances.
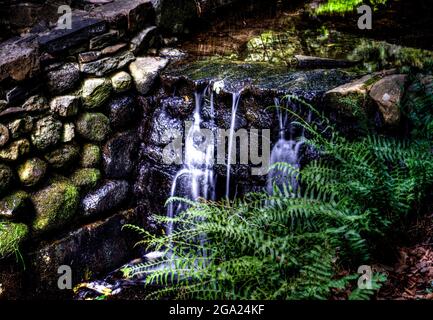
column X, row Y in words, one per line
column 70, row 104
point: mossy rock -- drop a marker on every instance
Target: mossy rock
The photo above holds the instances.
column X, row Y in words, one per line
column 86, row 179
column 93, row 126
column 11, row 236
column 6, row 176
column 14, row 205
column 90, row 156
column 32, row 171
column 63, row 157
column 55, row 206
column 95, row 92
column 46, row 133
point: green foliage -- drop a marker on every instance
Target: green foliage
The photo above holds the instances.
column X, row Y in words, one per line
column 343, row 6
column 294, row 245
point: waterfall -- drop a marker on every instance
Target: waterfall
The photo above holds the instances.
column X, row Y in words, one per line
column 198, row 164
column 285, row 150
column 235, row 103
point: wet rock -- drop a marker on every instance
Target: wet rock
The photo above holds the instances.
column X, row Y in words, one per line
column 316, row 62
column 15, row 206
column 83, row 28
column 90, row 156
column 86, row 179
column 11, row 236
column 4, row 135
column 387, row 94
column 121, row 81
column 108, row 196
column 165, row 128
column 122, row 111
column 68, row 133
column 101, row 247
column 106, row 65
column 118, row 155
column 32, row 171
column 6, row 176
column 55, row 206
column 103, row 40
column 46, row 133
column 35, row 103
column 63, row 157
column 143, row 40
column 63, row 79
column 19, row 59
column 145, row 70
column 15, row 150
column 93, row 126
column 20, row 127
column 65, row 106
column 95, row 92
column 180, row 107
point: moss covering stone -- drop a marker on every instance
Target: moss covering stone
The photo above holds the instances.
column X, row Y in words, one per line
column 93, row 126
column 86, row 179
column 32, row 171
column 95, row 92
column 63, row 157
column 90, row 156
column 46, row 133
column 55, row 206
column 11, row 237
column 14, row 205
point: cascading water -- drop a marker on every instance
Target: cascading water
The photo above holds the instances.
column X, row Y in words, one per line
column 198, row 164
column 286, row 151
column 236, row 96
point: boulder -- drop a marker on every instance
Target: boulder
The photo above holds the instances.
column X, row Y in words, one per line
column 95, row 92
column 65, row 106
column 15, row 206
column 47, row 133
column 107, row 65
column 15, row 150
column 122, row 111
column 387, row 94
column 32, row 171
column 145, row 70
column 55, row 206
column 90, row 156
column 63, row 78
column 63, row 157
column 119, row 155
column 121, row 81
column 93, row 126
column 6, row 177
column 107, row 197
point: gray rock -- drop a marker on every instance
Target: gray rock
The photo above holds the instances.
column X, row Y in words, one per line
column 89, row 56
column 119, row 155
column 145, row 70
column 121, row 81
column 165, row 128
column 107, row 65
column 107, row 197
column 46, row 133
column 143, row 40
column 93, row 126
column 63, row 78
column 122, row 111
column 103, row 40
column 95, row 92
column 65, row 106
column 35, row 103
column 68, row 133
column 15, row 206
column 15, row 150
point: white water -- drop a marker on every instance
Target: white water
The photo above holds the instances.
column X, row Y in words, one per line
column 197, row 167
column 235, row 103
column 284, row 151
